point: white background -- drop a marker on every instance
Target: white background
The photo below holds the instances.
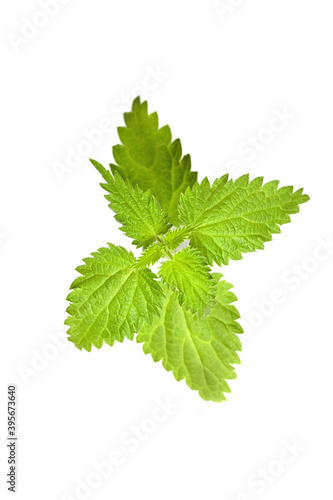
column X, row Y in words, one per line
column 223, row 77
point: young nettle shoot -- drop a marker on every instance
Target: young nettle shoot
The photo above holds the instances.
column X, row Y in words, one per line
column 184, row 315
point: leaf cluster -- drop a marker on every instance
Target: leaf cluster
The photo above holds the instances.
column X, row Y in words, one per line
column 184, row 313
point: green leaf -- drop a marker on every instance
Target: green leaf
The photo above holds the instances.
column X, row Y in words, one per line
column 139, row 212
column 202, row 352
column 188, row 274
column 230, row 218
column 111, row 299
column 149, row 256
column 147, row 157
column 175, row 237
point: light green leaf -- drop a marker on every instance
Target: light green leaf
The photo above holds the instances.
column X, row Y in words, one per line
column 175, row 237
column 139, row 212
column 202, row 352
column 230, row 218
column 188, row 274
column 111, row 299
column 149, row 256
column 147, row 157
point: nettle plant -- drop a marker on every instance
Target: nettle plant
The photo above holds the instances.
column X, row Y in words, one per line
column 184, row 315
